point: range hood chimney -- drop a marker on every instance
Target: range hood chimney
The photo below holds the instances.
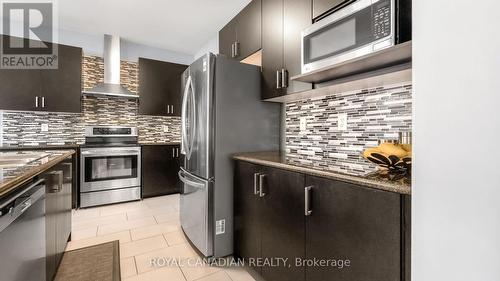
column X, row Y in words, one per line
column 111, row 85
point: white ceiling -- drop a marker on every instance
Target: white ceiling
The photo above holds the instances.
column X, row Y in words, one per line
column 177, row 25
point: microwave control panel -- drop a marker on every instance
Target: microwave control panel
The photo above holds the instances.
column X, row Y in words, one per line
column 382, row 20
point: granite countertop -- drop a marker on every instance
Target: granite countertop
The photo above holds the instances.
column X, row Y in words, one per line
column 160, row 143
column 35, row 163
column 277, row 160
column 39, row 147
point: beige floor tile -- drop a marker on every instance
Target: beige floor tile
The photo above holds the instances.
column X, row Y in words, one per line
column 146, row 212
column 122, row 208
column 167, row 217
column 85, row 214
column 138, row 247
column 123, row 237
column 219, row 276
column 238, row 274
column 182, row 251
column 84, row 233
column 175, row 238
column 162, row 200
column 162, row 274
column 127, row 267
column 153, row 230
column 99, row 221
column 120, row 226
column 194, row 270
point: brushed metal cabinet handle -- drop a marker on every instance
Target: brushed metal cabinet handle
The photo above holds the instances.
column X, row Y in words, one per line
column 232, row 50
column 43, row 102
column 236, row 49
column 173, row 152
column 256, row 183
column 278, row 80
column 261, row 185
column 307, row 201
column 284, row 78
column 36, row 102
column 172, row 109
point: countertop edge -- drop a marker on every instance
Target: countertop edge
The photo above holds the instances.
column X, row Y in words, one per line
column 25, row 177
column 327, row 174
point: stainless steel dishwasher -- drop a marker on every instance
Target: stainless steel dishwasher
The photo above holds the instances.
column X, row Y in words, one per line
column 22, row 234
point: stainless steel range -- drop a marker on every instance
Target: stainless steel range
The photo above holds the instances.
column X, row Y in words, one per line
column 110, row 166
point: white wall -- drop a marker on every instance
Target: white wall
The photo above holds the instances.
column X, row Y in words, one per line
column 456, row 176
column 130, row 51
column 210, row 46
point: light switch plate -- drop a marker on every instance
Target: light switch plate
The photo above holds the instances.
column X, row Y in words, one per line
column 303, row 124
column 165, row 128
column 342, row 122
column 44, row 127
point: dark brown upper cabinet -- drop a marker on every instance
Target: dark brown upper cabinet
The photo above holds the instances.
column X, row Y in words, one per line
column 57, row 90
column 321, row 7
column 62, row 87
column 160, row 87
column 282, row 24
column 241, row 37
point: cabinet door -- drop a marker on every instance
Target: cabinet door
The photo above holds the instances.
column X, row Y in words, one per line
column 227, row 37
column 322, row 6
column 159, row 170
column 247, row 227
column 248, row 30
column 354, row 223
column 18, row 88
column 272, row 47
column 62, row 87
column 297, row 16
column 160, row 87
column 283, row 223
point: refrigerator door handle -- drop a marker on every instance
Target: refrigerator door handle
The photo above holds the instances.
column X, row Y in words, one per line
column 184, row 148
column 193, row 121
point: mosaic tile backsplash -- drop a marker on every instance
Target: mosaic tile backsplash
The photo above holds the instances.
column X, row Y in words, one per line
column 372, row 115
column 24, row 128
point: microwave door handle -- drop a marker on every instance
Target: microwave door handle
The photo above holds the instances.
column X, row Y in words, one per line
column 278, row 80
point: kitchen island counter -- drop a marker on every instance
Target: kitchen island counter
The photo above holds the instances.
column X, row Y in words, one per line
column 18, row 167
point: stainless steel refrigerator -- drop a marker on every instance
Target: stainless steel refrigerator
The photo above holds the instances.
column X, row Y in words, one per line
column 221, row 115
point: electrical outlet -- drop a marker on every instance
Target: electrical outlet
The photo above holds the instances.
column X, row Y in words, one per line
column 44, row 127
column 342, row 122
column 165, row 128
column 303, row 124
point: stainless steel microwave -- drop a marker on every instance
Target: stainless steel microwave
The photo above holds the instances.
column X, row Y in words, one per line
column 358, row 29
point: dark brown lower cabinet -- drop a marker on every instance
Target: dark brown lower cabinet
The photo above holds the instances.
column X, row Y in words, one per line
column 247, row 224
column 58, row 182
column 269, row 220
column 160, row 166
column 282, row 222
column 350, row 222
column 360, row 232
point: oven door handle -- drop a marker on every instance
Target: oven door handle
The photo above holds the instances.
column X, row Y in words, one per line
column 124, row 153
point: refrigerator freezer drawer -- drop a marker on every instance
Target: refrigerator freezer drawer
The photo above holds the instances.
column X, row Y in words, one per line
column 195, row 212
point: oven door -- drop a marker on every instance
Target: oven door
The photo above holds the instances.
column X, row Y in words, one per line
column 361, row 28
column 110, row 168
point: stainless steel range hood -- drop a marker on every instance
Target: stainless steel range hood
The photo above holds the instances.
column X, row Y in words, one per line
column 111, row 85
